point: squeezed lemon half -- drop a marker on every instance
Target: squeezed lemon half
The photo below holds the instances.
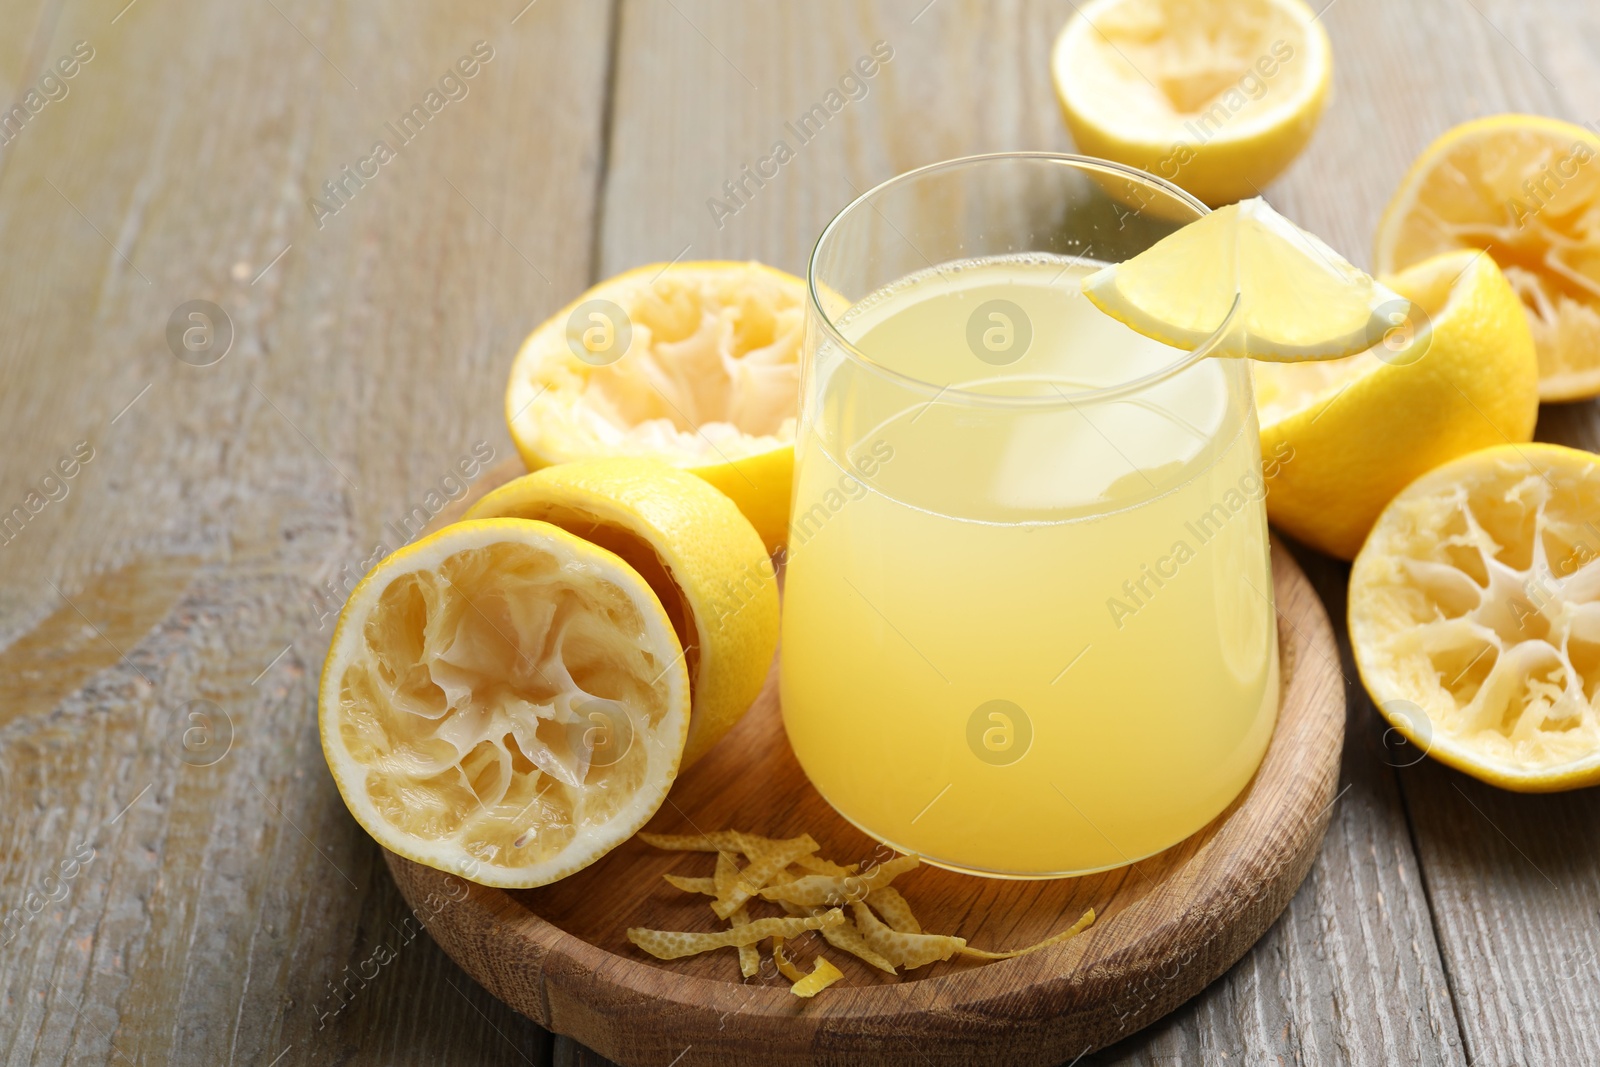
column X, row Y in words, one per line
column 1475, row 615
column 1526, row 189
column 503, row 700
column 1216, row 96
column 696, row 364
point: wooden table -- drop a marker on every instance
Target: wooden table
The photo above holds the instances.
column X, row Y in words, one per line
column 179, row 881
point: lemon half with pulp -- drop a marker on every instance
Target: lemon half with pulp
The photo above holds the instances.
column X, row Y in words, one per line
column 1526, row 189
column 504, row 701
column 1216, row 96
column 696, row 364
column 1475, row 615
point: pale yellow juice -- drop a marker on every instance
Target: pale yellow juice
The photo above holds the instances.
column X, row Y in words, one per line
column 1027, row 636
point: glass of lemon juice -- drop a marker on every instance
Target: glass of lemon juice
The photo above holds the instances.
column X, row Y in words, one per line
column 1028, row 627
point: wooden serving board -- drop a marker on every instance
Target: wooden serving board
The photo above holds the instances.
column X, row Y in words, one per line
column 1168, row 925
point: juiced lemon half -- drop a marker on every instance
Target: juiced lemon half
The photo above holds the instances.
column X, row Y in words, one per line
column 1297, row 298
column 1475, row 615
column 696, row 364
column 1526, row 189
column 1217, row 96
column 505, row 701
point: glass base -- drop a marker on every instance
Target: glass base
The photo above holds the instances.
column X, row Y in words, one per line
column 1009, row 876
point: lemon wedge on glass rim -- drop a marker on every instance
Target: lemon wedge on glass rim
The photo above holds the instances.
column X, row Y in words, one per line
column 503, row 700
column 1297, row 299
column 1475, row 616
column 696, row 364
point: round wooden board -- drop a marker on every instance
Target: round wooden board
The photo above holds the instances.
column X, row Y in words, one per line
column 1168, row 925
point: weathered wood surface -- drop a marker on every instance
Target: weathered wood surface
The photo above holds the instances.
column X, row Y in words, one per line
column 219, row 907
column 1444, row 922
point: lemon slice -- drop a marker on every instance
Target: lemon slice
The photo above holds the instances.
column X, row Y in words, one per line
column 702, row 558
column 1217, row 96
column 1298, row 298
column 1342, row 437
column 696, row 364
column 1527, row 189
column 503, row 700
column 1475, row 615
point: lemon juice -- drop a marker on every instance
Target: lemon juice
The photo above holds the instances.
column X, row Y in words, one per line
column 1028, row 624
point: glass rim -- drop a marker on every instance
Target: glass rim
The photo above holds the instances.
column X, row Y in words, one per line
column 1184, row 360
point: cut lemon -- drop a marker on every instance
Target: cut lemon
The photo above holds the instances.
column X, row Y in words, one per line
column 1217, row 96
column 702, row 558
column 696, row 364
column 1475, row 616
column 503, row 700
column 1342, row 437
column 1527, row 189
column 1297, row 298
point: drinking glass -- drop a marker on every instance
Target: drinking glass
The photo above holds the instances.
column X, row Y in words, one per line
column 1028, row 627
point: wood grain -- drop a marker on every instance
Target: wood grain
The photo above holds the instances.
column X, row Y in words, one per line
column 1166, row 926
column 220, row 911
column 208, row 928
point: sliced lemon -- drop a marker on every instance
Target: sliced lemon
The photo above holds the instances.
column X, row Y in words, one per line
column 702, row 558
column 503, row 700
column 696, row 364
column 1217, row 96
column 1527, row 189
column 1298, row 299
column 1341, row 438
column 1475, row 616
